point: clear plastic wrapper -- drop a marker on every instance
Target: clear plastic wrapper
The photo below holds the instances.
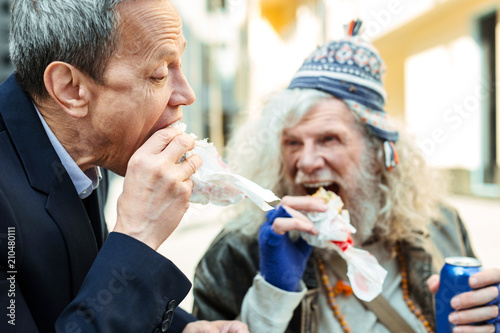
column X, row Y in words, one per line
column 215, row 183
column 365, row 274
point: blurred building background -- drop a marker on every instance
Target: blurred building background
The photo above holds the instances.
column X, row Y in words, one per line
column 441, row 58
column 5, row 66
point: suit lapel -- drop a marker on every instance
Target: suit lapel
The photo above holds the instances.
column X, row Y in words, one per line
column 37, row 155
column 46, row 174
column 67, row 210
column 95, row 215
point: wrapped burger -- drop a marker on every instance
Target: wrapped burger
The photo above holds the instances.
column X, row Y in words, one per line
column 215, row 183
column 365, row 274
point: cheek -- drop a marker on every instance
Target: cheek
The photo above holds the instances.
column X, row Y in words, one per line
column 159, row 116
column 290, row 163
column 157, row 102
column 340, row 160
column 152, row 108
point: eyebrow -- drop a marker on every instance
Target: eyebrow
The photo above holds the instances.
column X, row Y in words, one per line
column 329, row 131
column 170, row 52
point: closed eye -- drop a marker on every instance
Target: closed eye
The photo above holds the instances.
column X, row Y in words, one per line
column 159, row 79
column 160, row 74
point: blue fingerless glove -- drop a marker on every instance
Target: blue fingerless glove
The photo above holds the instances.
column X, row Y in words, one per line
column 282, row 262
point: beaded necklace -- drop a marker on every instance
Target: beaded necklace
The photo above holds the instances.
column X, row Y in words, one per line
column 341, row 287
column 406, row 294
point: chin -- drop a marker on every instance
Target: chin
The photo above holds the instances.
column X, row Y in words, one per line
column 118, row 167
column 120, row 171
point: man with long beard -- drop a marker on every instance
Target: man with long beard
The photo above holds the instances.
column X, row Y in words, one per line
column 329, row 129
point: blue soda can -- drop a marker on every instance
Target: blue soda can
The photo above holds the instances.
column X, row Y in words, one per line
column 454, row 280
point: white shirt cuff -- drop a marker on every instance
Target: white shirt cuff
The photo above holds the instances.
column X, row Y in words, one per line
column 266, row 308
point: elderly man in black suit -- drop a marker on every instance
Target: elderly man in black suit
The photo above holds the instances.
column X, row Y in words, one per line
column 97, row 84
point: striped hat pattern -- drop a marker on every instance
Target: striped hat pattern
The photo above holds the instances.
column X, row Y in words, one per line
column 351, row 69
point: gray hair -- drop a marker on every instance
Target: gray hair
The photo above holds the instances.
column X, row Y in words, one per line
column 79, row 32
column 410, row 194
column 254, row 150
column 258, row 141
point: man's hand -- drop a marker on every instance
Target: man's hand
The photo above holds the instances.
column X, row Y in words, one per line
column 479, row 305
column 218, row 326
column 157, row 188
column 283, row 261
column 298, row 221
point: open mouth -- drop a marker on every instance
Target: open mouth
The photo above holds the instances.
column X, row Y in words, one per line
column 311, row 188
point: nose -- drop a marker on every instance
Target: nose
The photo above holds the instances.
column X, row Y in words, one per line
column 182, row 93
column 310, row 159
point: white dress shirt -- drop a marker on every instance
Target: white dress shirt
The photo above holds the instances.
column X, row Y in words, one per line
column 84, row 182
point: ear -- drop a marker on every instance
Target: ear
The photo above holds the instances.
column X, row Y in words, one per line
column 67, row 85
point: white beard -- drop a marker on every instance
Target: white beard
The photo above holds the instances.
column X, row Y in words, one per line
column 361, row 196
column 360, row 193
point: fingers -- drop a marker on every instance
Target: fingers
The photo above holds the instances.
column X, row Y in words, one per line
column 433, row 283
column 176, row 149
column 200, row 326
column 178, row 146
column 232, row 326
column 170, row 142
column 475, row 315
column 305, row 203
column 157, row 187
column 474, row 329
column 164, row 149
column 217, row 326
column 474, row 298
column 159, row 140
column 485, row 278
column 282, row 225
column 298, row 221
column 189, row 166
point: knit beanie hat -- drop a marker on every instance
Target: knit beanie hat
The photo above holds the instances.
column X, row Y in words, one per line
column 351, row 69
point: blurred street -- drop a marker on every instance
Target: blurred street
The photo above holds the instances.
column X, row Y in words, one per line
column 201, row 225
column 441, row 58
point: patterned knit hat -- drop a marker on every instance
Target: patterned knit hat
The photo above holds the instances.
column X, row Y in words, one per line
column 351, row 69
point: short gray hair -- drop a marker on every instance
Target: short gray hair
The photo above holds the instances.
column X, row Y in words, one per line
column 79, row 32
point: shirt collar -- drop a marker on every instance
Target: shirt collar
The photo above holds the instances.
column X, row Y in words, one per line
column 84, row 182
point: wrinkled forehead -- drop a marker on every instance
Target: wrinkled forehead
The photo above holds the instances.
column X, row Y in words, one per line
column 329, row 109
column 143, row 23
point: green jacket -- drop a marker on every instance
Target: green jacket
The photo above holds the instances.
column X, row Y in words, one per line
column 227, row 269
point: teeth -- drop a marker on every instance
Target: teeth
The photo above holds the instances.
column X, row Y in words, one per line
column 314, row 185
column 175, row 124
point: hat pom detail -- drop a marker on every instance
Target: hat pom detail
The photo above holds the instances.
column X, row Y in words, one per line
column 353, row 28
column 351, row 69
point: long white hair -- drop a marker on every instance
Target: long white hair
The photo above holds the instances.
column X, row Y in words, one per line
column 410, row 193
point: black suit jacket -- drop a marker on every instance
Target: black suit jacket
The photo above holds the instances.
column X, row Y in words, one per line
column 57, row 271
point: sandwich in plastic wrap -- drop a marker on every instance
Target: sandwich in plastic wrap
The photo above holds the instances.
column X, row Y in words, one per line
column 365, row 274
column 215, row 183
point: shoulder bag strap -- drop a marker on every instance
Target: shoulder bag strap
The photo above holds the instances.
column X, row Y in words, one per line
column 385, row 313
